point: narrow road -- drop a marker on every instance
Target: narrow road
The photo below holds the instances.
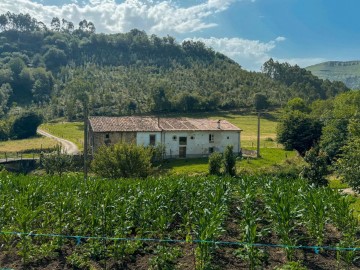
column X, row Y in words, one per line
column 67, row 146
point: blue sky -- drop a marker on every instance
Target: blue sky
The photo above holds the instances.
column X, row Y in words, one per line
column 302, row 32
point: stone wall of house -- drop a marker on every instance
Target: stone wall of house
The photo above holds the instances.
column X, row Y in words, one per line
column 110, row 138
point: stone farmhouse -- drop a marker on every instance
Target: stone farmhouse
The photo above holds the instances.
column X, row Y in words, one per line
column 182, row 137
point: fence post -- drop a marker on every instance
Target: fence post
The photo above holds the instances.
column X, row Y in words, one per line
column 5, row 157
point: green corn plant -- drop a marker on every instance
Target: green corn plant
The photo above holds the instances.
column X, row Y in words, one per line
column 210, row 220
column 315, row 213
column 349, row 240
column 249, row 226
column 284, row 210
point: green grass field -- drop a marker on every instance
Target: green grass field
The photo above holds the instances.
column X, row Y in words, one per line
column 27, row 145
column 269, row 157
column 72, row 131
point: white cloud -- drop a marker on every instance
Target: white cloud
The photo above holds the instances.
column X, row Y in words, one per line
column 302, row 62
column 250, row 54
column 279, row 39
column 158, row 17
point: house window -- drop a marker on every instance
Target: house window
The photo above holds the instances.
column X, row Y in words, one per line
column 152, row 139
column 174, row 138
column 183, row 140
column 107, row 136
column 211, row 150
column 211, row 138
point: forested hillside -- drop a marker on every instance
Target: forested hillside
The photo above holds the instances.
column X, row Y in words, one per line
column 58, row 68
column 346, row 72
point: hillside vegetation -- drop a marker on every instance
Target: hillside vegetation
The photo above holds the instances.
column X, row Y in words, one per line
column 346, row 72
column 60, row 68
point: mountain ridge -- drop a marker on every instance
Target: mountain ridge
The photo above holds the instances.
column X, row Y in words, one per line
column 346, row 71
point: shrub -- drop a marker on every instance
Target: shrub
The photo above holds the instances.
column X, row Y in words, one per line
column 229, row 161
column 25, row 125
column 123, row 160
column 348, row 165
column 316, row 168
column 56, row 162
column 215, row 160
column 4, row 131
column 158, row 153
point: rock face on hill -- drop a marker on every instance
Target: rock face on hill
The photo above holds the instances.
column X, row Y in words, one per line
column 347, row 72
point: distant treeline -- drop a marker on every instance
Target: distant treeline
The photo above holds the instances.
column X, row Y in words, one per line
column 132, row 72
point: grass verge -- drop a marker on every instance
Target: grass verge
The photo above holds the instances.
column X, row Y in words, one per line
column 270, row 157
column 72, row 131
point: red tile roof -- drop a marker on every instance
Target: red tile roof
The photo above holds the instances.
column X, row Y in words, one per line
column 153, row 124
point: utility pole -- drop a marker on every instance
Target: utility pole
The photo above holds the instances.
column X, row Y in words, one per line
column 86, row 114
column 258, row 137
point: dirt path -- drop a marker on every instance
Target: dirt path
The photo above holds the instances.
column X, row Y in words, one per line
column 67, row 146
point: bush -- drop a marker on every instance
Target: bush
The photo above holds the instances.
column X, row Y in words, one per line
column 123, row 160
column 25, row 125
column 348, row 165
column 297, row 130
column 4, row 131
column 158, row 154
column 316, row 168
column 215, row 160
column 56, row 162
column 229, row 161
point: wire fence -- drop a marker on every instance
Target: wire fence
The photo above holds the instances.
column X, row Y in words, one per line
column 79, row 239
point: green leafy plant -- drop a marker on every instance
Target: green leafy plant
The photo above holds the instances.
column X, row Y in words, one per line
column 56, row 162
column 122, row 160
column 229, row 161
column 164, row 258
column 215, row 162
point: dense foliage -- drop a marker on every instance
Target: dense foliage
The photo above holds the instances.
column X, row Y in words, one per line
column 348, row 164
column 308, row 86
column 215, row 163
column 132, row 72
column 296, row 130
column 123, row 160
column 332, row 127
column 255, row 210
column 20, row 126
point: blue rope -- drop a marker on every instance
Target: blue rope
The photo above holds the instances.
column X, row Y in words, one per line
column 78, row 239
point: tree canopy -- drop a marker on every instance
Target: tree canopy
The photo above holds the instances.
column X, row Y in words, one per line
column 134, row 72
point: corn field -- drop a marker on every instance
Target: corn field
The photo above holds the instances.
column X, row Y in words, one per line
column 173, row 222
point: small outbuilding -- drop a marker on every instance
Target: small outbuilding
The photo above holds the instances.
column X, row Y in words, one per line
column 181, row 137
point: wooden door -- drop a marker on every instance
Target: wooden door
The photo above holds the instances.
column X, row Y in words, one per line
column 182, row 151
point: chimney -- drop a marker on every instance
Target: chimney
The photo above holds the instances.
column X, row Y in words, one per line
column 218, row 124
column 158, row 121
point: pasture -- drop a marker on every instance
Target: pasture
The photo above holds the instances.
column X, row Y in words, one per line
column 35, row 144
